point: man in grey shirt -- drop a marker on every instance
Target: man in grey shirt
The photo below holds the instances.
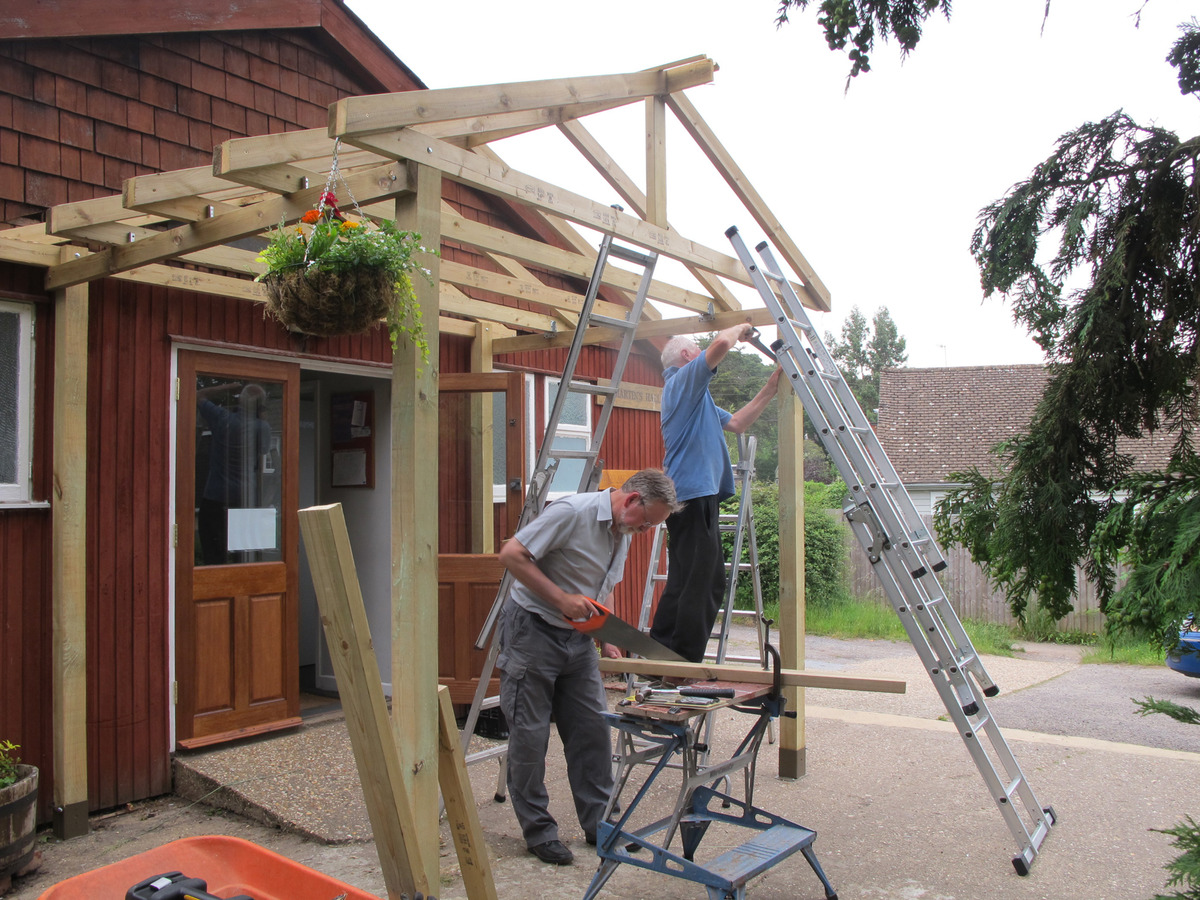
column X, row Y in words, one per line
column 573, row 552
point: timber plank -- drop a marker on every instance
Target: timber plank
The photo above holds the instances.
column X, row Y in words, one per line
column 789, row 677
column 384, row 112
column 348, row 635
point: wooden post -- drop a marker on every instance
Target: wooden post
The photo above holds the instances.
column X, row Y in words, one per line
column 483, row 530
column 69, row 581
column 380, row 770
column 415, row 526
column 460, row 806
column 656, row 161
column 792, row 747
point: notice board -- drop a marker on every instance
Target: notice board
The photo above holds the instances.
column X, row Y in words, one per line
column 352, row 439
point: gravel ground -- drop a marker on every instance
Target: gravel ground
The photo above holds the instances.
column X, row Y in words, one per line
column 898, row 805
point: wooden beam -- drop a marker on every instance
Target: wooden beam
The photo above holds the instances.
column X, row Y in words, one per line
column 465, row 830
column 356, row 116
column 348, row 634
column 814, row 289
column 28, row 253
column 183, row 194
column 747, row 675
column 414, row 523
column 479, row 130
column 472, row 169
column 312, row 149
column 68, row 528
column 536, row 253
column 608, row 168
column 656, row 161
column 521, row 289
column 455, row 301
column 373, row 184
column 759, row 317
column 793, row 750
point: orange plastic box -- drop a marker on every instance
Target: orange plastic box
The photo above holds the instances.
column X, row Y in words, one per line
column 230, row 865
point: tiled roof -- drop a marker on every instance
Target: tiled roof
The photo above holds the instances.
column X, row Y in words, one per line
column 936, row 421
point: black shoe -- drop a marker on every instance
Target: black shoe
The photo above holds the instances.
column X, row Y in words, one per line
column 590, row 837
column 553, row 852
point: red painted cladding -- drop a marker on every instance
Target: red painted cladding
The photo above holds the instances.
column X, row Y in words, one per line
column 77, row 117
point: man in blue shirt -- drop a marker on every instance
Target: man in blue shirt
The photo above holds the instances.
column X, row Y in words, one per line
column 573, row 552
column 697, row 460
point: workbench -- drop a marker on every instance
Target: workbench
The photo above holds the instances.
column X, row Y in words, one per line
column 670, row 738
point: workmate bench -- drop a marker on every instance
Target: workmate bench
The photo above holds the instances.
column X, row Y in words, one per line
column 670, row 737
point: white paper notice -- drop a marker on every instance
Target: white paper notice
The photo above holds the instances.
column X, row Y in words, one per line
column 252, row 529
column 349, row 468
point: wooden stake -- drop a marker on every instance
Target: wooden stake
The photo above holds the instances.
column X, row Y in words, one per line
column 344, row 617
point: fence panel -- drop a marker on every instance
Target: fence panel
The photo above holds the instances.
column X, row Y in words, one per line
column 968, row 589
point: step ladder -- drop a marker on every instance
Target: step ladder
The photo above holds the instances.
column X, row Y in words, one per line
column 901, row 550
column 550, row 457
column 744, row 558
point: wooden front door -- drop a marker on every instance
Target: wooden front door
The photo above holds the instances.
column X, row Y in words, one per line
column 236, row 592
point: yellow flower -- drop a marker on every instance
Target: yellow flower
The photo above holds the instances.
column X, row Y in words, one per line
column 349, row 226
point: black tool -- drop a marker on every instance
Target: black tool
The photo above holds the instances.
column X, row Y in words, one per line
column 174, row 886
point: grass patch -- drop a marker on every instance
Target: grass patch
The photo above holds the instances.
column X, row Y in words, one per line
column 864, row 619
column 1128, row 651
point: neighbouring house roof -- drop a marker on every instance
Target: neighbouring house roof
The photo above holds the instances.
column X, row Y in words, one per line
column 936, row 421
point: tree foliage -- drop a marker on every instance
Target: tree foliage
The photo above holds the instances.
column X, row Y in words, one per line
column 863, row 352
column 1121, row 200
column 859, row 22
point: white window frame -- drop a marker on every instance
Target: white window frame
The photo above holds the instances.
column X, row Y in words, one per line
column 583, row 431
column 21, row 491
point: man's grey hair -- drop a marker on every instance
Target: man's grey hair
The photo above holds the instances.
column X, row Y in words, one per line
column 672, row 354
column 654, row 486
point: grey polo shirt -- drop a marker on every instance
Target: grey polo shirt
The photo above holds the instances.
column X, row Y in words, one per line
column 573, row 543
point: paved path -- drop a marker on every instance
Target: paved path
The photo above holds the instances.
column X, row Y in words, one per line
column 899, row 808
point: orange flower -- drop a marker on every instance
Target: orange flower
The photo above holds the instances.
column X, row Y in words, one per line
column 311, row 217
column 348, row 225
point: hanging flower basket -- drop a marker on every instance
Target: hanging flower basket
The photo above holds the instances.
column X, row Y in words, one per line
column 330, row 275
column 327, row 302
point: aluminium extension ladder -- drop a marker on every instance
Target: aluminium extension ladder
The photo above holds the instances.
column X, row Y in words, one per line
column 904, row 555
column 549, row 458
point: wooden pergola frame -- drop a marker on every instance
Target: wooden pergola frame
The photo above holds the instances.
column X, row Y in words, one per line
column 393, row 151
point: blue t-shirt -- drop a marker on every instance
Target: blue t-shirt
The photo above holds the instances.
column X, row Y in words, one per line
column 693, row 429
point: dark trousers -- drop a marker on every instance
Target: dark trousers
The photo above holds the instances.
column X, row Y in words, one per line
column 547, row 671
column 695, row 588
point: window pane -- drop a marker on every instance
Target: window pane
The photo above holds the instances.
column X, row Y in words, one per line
column 499, row 439
column 10, row 382
column 569, row 471
column 575, row 406
column 239, row 474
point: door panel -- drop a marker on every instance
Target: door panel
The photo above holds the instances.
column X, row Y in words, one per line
column 236, row 568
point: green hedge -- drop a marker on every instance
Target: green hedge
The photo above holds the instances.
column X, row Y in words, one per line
column 824, row 545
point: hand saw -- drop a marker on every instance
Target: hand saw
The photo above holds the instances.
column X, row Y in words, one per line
column 604, row 625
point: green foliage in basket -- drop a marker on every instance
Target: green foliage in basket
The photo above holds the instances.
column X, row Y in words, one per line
column 327, row 246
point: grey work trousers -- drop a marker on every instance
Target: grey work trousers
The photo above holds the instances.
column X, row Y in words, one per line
column 548, row 671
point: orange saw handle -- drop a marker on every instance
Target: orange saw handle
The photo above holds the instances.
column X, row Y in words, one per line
column 593, row 622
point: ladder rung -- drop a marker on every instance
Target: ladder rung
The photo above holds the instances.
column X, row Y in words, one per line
column 572, row 454
column 611, row 321
column 629, row 254
column 586, row 387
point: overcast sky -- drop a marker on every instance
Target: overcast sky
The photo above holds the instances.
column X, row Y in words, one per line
column 880, row 186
